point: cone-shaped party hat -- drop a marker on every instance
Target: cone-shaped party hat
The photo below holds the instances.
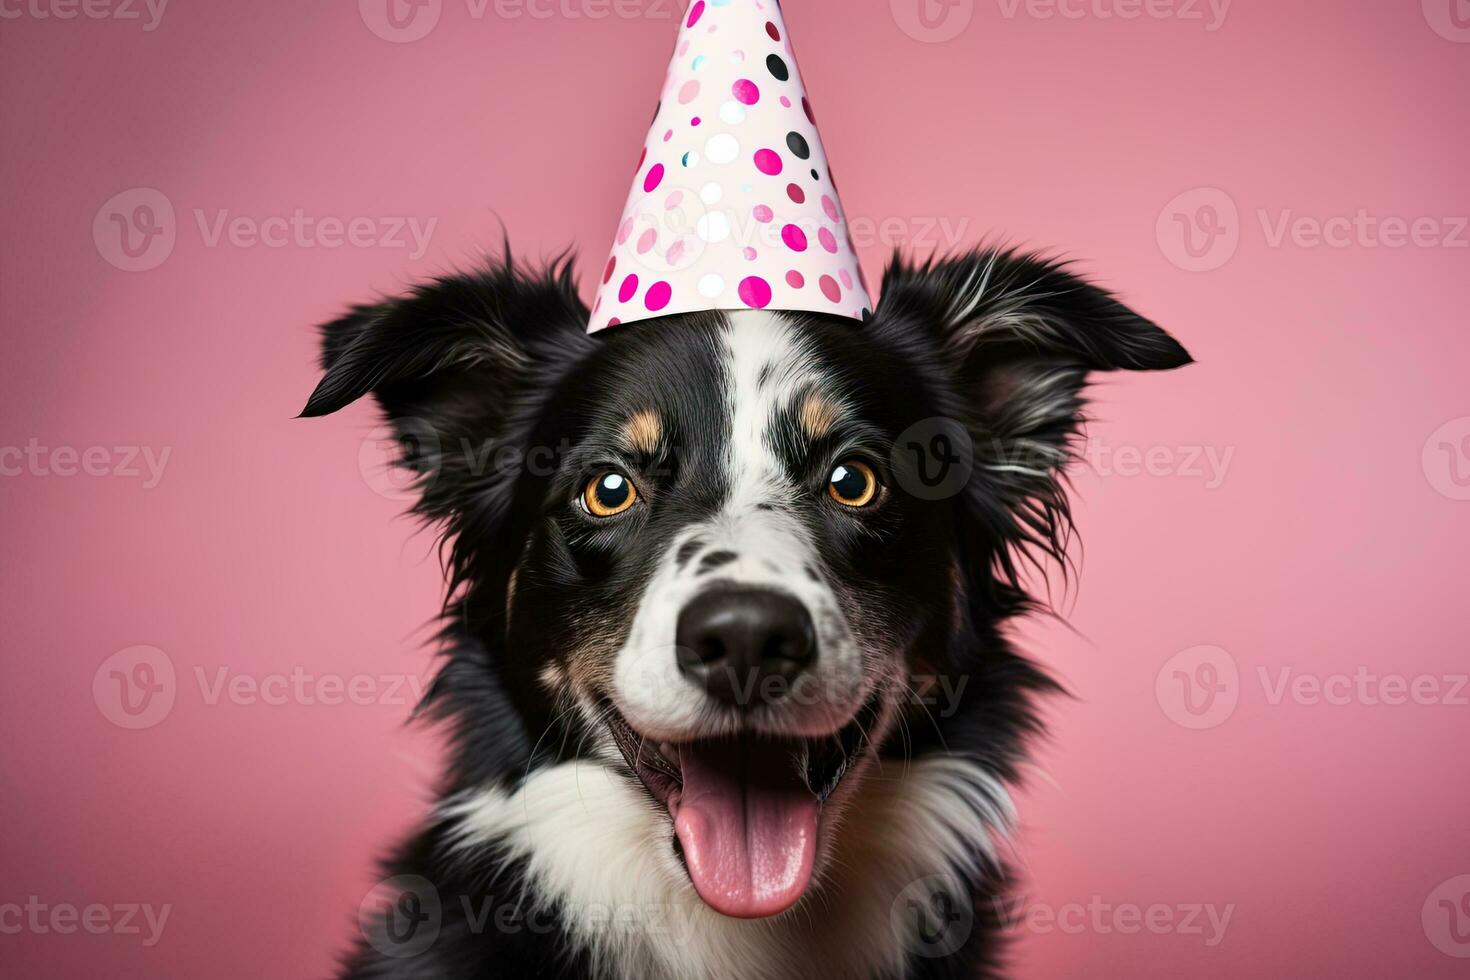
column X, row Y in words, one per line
column 733, row 205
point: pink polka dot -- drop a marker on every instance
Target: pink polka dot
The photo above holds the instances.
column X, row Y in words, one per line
column 828, row 240
column 612, row 264
column 646, row 241
column 806, row 106
column 688, row 92
column 684, row 49
column 750, row 254
column 658, row 296
column 629, row 287
column 674, row 199
column 795, row 279
column 668, row 135
column 675, row 252
column 695, row 12
column 763, row 214
column 830, row 206
column 773, row 31
column 746, row 91
column 624, row 230
column 614, row 322
column 846, row 278
column 695, row 121
column 795, row 192
column 785, row 102
column 794, row 238
column 768, row 162
column 755, row 292
column 654, row 178
column 830, row 289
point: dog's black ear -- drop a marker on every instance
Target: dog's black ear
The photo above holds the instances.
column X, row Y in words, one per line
column 1017, row 335
column 450, row 362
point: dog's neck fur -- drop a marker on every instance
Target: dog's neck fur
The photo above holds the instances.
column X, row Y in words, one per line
column 600, row 853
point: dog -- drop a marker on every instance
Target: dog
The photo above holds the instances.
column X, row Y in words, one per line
column 726, row 685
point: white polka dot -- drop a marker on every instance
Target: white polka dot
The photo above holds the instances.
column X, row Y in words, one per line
column 722, row 149
column 711, row 193
column 714, row 227
column 733, row 113
column 711, row 286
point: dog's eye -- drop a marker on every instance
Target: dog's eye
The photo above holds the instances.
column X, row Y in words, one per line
column 608, row 495
column 853, row 484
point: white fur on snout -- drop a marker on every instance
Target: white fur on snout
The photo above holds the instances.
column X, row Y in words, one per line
column 773, row 550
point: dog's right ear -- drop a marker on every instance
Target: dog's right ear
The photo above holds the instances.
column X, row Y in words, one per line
column 451, row 363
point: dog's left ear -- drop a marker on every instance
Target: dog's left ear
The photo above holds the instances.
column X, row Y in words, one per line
column 1017, row 335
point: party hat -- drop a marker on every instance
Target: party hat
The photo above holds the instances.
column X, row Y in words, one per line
column 733, row 205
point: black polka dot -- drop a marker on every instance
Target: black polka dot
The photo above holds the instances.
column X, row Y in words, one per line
column 797, row 142
column 778, row 68
column 815, row 175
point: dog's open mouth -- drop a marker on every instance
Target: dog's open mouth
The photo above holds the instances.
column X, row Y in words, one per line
column 745, row 809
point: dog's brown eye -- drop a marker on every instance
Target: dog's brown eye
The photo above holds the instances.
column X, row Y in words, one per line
column 853, row 484
column 608, row 495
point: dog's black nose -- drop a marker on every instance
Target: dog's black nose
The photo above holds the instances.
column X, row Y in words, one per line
column 745, row 646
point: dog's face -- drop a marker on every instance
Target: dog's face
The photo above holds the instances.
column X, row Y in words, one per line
column 708, row 565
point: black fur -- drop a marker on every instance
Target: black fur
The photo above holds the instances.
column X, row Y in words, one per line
column 498, row 362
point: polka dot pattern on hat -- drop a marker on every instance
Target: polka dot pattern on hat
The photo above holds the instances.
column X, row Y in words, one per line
column 732, row 206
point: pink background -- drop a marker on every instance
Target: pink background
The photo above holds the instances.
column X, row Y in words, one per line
column 1335, row 540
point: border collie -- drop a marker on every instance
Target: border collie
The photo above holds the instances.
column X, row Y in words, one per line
column 726, row 682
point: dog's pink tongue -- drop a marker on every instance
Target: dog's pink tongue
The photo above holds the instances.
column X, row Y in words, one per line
column 748, row 826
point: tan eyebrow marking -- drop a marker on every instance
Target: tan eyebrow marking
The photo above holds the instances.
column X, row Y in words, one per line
column 818, row 415
column 643, row 431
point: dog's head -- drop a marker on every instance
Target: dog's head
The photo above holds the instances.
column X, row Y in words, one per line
column 715, row 550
